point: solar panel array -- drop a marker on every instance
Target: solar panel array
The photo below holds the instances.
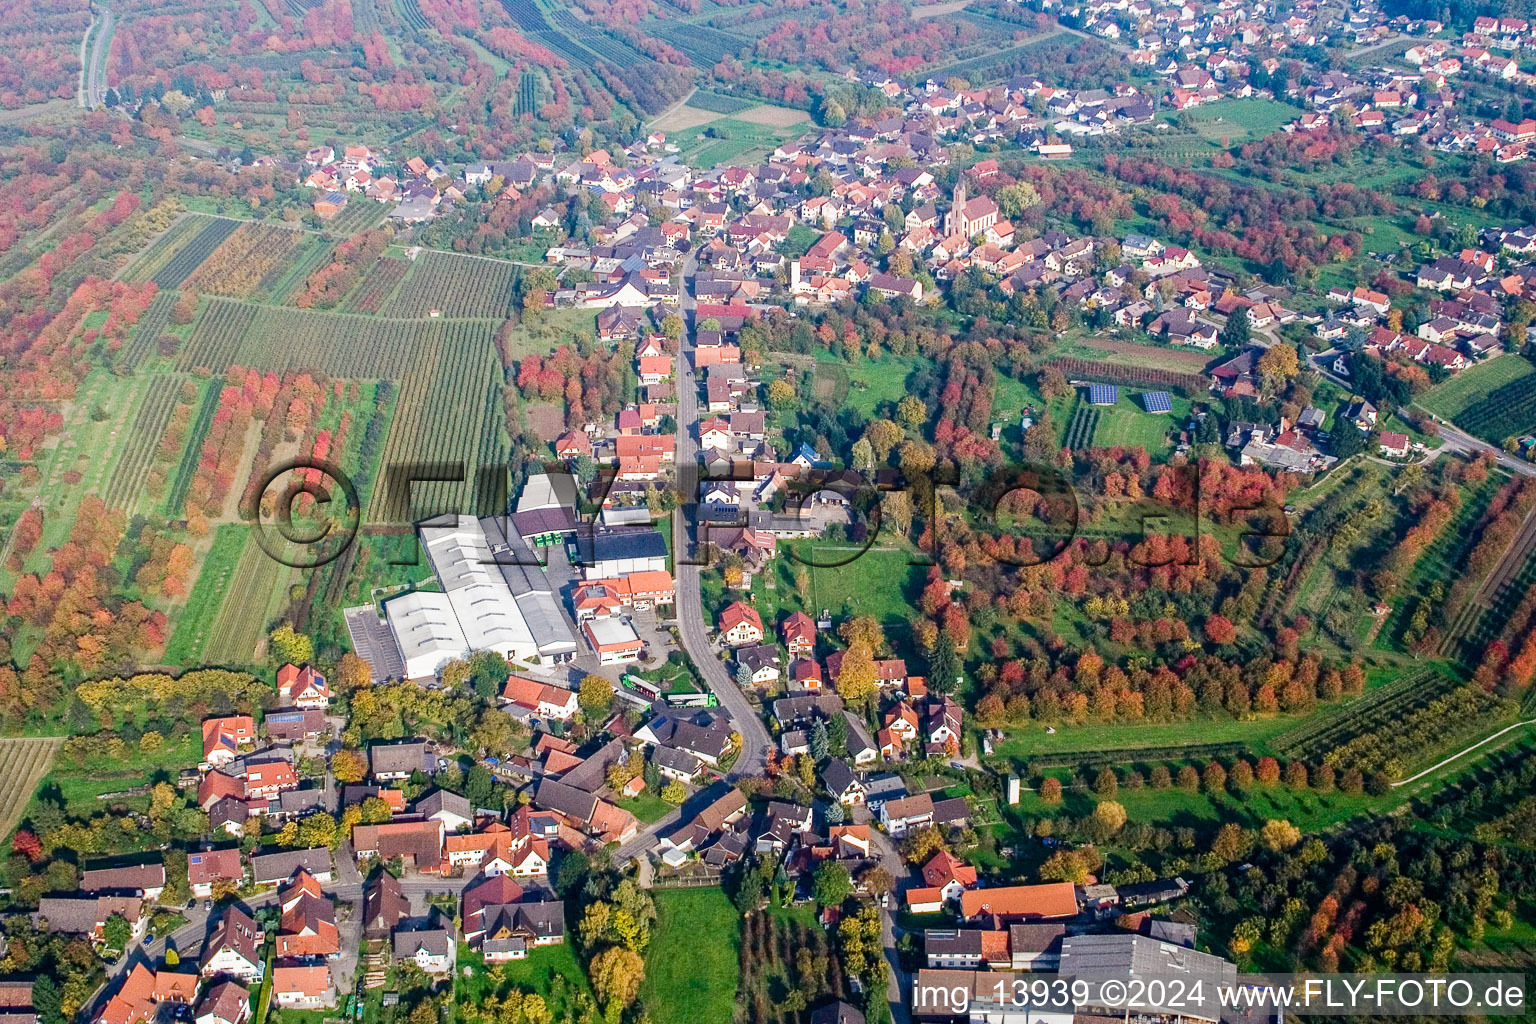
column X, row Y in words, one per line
column 1157, row 401
column 1103, row 394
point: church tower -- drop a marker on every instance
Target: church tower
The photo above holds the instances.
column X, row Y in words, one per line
column 954, row 220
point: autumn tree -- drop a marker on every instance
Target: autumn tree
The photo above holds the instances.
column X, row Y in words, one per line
column 857, row 678
column 1110, row 814
column 1278, row 365
column 912, row 412
column 1069, row 866
column 291, row 647
column 349, row 765
column 922, row 844
column 1279, row 834
column 1013, row 200
column 595, row 695
column 616, row 974
column 863, row 629
column 353, row 673
column 781, row 394
column 1219, row 629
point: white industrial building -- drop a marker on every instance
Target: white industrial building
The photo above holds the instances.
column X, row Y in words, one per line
column 495, row 597
column 426, row 631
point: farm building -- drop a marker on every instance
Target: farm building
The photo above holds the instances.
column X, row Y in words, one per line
column 330, row 204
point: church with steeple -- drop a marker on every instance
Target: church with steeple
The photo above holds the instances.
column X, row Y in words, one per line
column 969, row 217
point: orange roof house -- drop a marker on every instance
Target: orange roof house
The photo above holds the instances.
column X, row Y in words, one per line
column 1021, row 902
column 654, row 369
column 308, row 925
column 806, row 673
column 540, row 698
column 303, row 986
column 144, row 991
column 222, row 737
column 949, row 875
column 303, row 687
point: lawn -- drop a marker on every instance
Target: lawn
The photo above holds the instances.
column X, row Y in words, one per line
column 551, row 971
column 1021, row 744
column 675, row 678
column 1239, row 120
column 868, row 383
column 727, row 138
column 646, row 807
column 1129, row 424
column 881, row 582
column 202, row 607
column 692, row 968
column 1306, row 810
column 551, row 329
column 1466, row 389
column 79, row 785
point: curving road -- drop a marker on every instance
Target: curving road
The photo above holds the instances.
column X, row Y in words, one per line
column 690, row 609
column 93, row 69
column 1454, row 440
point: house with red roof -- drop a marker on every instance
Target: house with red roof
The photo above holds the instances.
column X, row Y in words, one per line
column 308, row 925
column 1393, row 445
column 540, row 698
column 303, row 986
column 205, row 867
column 741, row 625
column 1048, row 902
column 949, row 875
column 573, row 444
column 799, row 633
column 145, row 991
column 805, row 675
column 303, row 687
column 223, row 738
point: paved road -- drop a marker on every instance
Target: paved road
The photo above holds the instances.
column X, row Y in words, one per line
column 690, row 609
column 1380, row 44
column 1113, row 44
column 1454, row 440
column 93, row 71
column 898, row 981
column 1459, row 441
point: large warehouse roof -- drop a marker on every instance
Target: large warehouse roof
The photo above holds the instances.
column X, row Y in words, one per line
column 426, row 630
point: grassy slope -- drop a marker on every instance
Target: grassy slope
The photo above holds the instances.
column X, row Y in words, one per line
column 1471, row 386
column 691, row 970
